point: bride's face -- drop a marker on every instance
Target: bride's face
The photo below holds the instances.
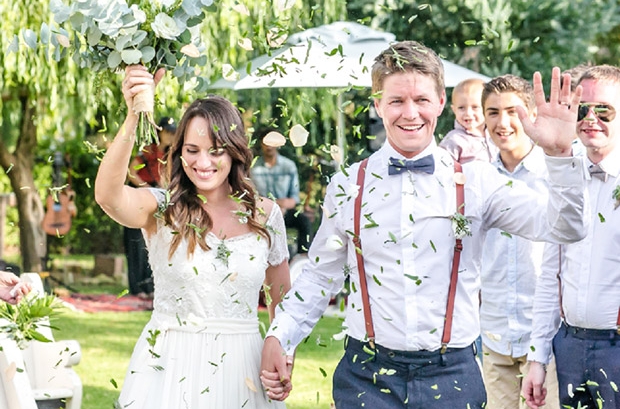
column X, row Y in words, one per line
column 205, row 165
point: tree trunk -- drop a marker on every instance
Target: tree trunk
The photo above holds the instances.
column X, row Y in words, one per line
column 19, row 167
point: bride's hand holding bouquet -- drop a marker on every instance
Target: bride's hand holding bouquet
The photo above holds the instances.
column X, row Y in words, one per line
column 110, row 35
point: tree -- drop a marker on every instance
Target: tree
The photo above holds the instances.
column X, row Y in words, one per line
column 499, row 36
column 39, row 98
column 48, row 105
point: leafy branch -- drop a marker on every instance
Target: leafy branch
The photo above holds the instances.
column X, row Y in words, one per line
column 23, row 321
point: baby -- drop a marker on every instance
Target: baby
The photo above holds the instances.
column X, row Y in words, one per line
column 468, row 140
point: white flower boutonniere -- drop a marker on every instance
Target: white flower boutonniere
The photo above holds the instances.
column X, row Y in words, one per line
column 460, row 225
column 616, row 196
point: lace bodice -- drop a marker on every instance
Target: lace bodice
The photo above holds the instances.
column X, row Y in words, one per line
column 223, row 282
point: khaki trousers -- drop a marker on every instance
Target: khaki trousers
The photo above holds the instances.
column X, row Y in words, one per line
column 503, row 376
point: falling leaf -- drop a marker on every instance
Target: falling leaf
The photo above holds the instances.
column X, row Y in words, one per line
column 283, row 5
column 250, row 384
column 190, row 50
column 229, row 73
column 333, row 243
column 246, row 44
column 416, row 279
column 276, row 37
column 63, row 40
column 298, row 135
column 241, row 9
column 335, row 153
column 275, row 139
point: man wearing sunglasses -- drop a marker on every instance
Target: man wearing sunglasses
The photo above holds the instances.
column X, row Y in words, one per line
column 580, row 322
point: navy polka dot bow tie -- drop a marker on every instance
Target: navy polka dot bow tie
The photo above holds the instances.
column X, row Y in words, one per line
column 425, row 164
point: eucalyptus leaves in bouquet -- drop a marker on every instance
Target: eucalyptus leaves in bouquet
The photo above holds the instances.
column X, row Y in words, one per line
column 112, row 34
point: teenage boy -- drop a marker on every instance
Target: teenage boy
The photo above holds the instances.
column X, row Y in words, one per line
column 510, row 264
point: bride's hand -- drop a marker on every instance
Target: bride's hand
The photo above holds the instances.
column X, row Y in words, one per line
column 138, row 79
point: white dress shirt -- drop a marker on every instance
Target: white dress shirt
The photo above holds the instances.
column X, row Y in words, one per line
column 408, row 245
column 510, row 268
column 590, row 273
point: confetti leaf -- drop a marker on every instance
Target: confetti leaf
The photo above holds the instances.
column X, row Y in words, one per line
column 250, row 384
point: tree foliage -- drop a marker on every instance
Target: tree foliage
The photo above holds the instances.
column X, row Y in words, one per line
column 499, row 36
column 48, row 106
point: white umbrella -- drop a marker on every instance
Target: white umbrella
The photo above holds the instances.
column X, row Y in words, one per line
column 336, row 55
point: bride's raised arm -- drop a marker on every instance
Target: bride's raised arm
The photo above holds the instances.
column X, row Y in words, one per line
column 129, row 206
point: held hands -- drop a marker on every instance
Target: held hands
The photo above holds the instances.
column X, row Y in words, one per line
column 533, row 389
column 12, row 289
column 276, row 370
column 138, row 79
column 555, row 126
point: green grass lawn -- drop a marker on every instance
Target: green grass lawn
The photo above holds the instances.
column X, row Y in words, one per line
column 107, row 340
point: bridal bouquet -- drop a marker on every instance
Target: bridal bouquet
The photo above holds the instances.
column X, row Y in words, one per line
column 112, row 34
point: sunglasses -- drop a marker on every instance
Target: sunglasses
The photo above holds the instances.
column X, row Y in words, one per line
column 604, row 112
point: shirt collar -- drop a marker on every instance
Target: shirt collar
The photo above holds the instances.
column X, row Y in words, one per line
column 533, row 162
column 611, row 163
column 387, row 151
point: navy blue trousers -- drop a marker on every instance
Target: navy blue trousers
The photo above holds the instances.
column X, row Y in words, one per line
column 139, row 274
column 413, row 380
column 588, row 363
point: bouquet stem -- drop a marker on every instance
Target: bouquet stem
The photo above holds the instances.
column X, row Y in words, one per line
column 143, row 106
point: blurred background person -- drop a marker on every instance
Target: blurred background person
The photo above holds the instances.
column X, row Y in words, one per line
column 276, row 177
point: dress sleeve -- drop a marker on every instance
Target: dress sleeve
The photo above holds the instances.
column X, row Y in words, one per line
column 162, row 197
column 278, row 251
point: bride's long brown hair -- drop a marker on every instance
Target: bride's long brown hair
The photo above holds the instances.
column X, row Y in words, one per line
column 185, row 214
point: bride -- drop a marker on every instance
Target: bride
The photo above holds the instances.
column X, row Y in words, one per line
column 212, row 245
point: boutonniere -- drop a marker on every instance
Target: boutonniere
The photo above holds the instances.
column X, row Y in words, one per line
column 460, row 225
column 616, row 196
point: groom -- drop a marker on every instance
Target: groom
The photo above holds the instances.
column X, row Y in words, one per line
column 412, row 315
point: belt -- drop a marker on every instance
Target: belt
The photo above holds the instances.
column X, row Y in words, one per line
column 591, row 334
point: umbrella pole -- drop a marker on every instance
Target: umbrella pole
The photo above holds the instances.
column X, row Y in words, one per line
column 340, row 133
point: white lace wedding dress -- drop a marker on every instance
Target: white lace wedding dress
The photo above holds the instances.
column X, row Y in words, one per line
column 202, row 347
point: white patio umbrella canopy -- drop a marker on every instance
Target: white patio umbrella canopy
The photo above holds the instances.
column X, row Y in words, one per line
column 336, row 55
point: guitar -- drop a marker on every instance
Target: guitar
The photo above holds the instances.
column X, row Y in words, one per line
column 60, row 210
column 60, row 205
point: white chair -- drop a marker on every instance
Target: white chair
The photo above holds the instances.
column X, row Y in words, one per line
column 42, row 372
